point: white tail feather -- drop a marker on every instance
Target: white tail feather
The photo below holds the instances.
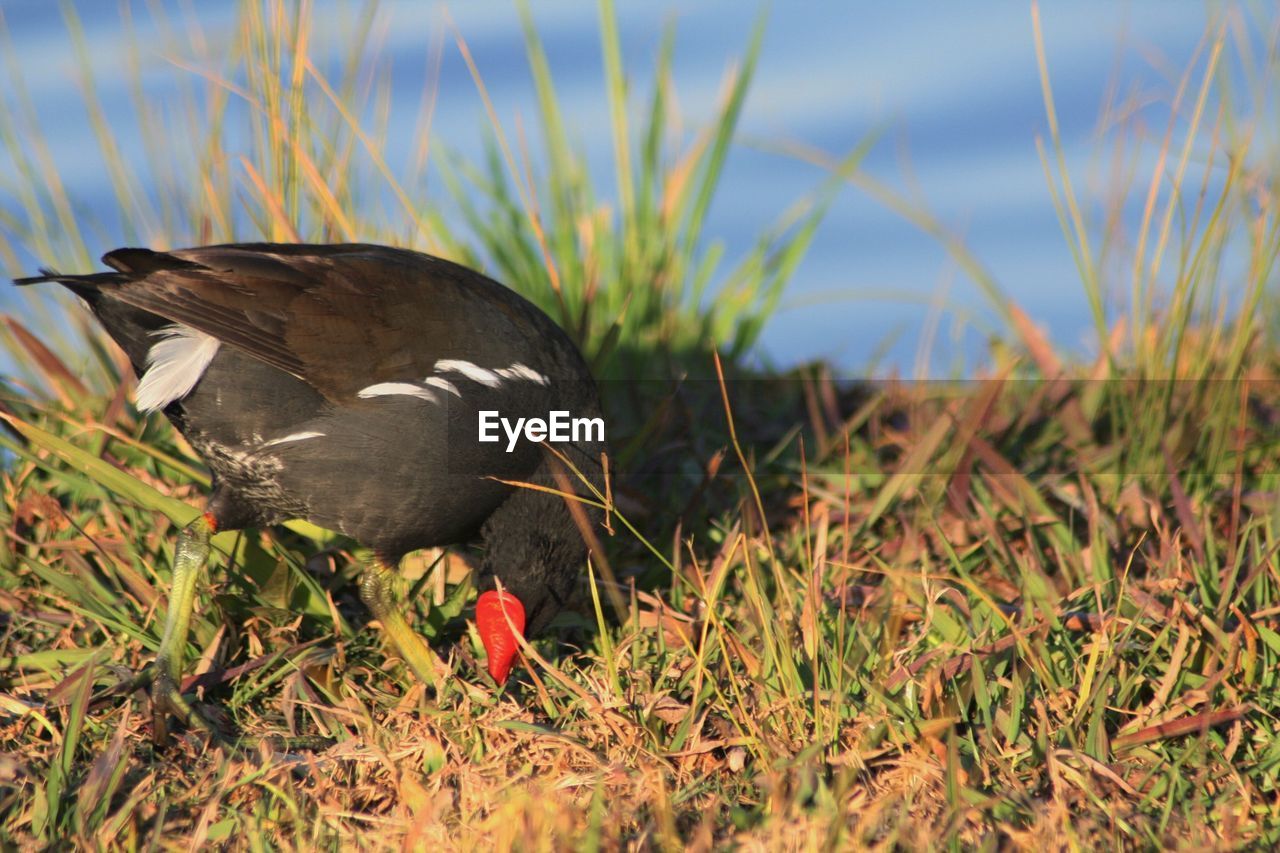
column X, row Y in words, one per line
column 174, row 365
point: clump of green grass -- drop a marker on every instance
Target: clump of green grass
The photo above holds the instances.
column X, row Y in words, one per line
column 1037, row 611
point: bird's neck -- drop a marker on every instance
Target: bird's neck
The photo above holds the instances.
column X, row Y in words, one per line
column 536, row 541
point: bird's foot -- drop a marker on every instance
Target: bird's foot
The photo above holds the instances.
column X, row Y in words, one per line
column 130, row 682
column 166, row 701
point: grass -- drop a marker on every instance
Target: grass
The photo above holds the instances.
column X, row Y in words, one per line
column 1034, row 611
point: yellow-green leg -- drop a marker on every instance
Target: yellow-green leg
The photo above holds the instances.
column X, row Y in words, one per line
column 189, row 559
column 380, row 594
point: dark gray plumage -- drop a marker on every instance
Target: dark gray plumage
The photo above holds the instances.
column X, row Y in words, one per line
column 345, row 389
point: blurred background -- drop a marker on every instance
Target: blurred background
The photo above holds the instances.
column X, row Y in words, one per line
column 948, row 96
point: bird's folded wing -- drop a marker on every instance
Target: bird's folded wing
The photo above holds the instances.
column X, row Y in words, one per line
column 316, row 312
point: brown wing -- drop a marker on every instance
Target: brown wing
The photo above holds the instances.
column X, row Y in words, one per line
column 311, row 311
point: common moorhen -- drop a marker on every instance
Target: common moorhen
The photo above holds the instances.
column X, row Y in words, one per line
column 362, row 387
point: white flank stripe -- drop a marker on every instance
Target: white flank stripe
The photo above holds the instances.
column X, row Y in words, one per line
column 443, row 385
column 297, row 436
column 520, row 371
column 174, row 366
column 472, row 371
column 387, row 389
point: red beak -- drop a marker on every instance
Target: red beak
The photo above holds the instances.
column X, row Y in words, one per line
column 493, row 610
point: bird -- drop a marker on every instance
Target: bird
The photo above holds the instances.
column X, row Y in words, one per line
column 349, row 385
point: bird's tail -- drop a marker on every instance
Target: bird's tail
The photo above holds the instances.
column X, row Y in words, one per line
column 85, row 286
column 94, row 280
column 128, row 264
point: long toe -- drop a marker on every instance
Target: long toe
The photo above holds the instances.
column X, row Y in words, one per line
column 166, row 701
